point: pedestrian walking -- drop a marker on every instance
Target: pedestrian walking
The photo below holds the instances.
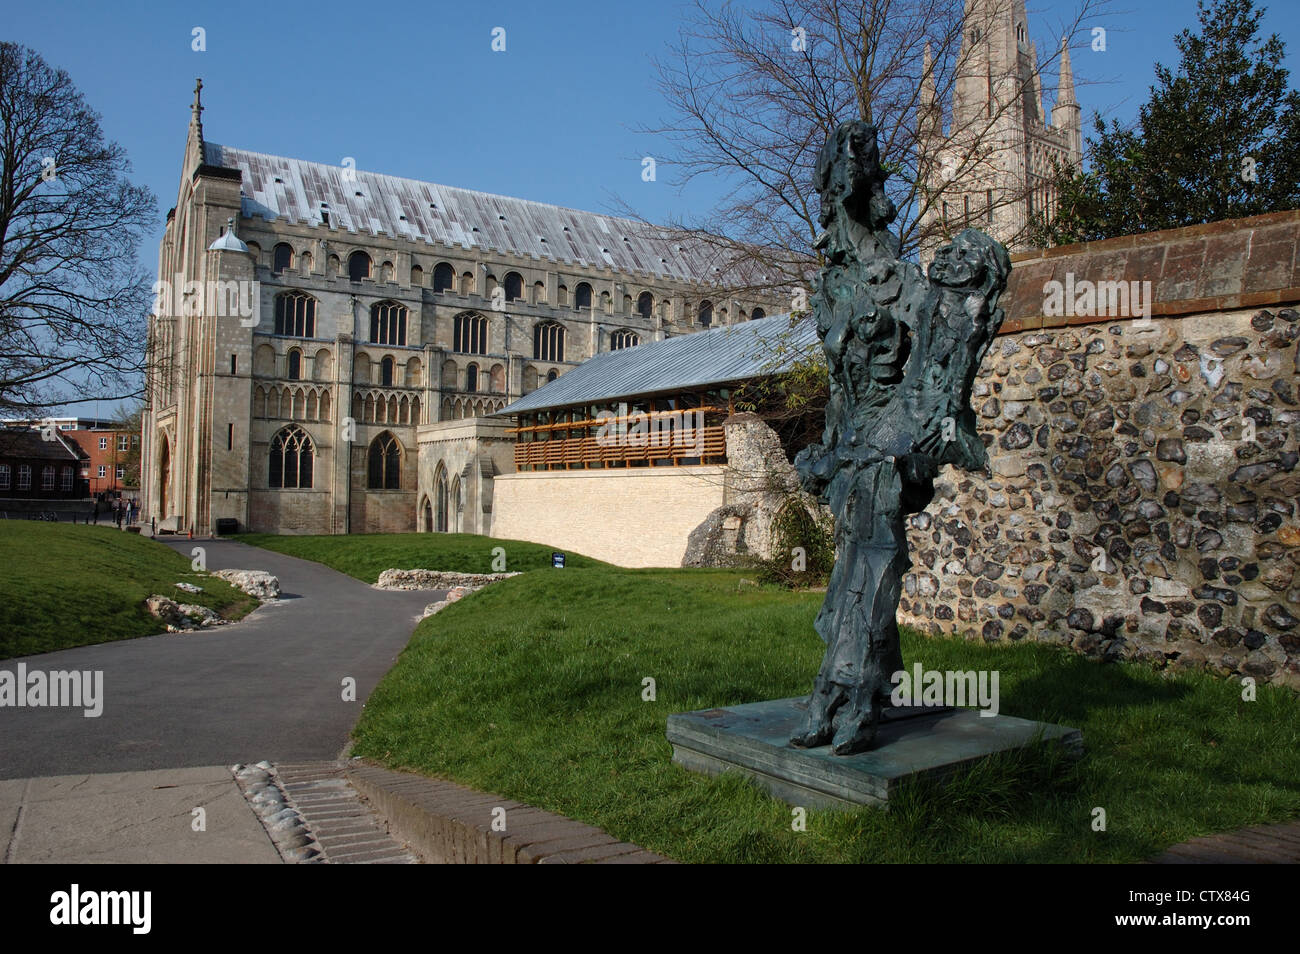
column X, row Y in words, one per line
column 96, row 510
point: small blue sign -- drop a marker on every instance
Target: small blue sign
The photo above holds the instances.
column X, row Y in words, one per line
column 557, row 560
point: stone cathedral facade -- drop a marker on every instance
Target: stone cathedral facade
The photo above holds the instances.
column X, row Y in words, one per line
column 992, row 168
column 326, row 342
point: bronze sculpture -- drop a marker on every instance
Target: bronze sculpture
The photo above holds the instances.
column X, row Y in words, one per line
column 902, row 352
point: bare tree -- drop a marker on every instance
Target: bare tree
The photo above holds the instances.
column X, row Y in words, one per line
column 73, row 296
column 754, row 93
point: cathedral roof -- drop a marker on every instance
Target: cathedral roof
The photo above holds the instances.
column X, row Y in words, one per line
column 719, row 356
column 295, row 190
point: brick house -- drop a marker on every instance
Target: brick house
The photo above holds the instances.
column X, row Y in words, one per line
column 36, row 465
column 112, row 460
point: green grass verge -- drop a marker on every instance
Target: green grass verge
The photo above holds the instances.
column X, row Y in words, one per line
column 65, row 585
column 366, row 555
column 532, row 688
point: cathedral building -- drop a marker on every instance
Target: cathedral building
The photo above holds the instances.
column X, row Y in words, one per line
column 327, row 343
column 993, row 168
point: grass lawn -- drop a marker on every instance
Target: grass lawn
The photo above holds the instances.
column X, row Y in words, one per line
column 65, row 585
column 532, row 689
column 366, row 555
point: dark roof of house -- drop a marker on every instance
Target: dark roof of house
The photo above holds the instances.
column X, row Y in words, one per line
column 296, row 190
column 25, row 442
column 702, row 359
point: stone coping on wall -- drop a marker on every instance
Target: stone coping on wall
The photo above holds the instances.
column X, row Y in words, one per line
column 1221, row 266
column 463, row 428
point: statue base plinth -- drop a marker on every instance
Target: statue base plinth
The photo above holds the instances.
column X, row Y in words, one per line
column 911, row 744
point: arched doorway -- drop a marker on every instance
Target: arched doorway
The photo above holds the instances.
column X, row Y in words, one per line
column 426, row 516
column 164, row 476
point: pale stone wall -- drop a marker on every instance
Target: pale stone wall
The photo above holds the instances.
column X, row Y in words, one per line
column 469, row 454
column 636, row 517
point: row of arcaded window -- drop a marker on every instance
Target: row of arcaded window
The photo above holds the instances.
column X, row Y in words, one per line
column 444, row 280
column 295, row 316
column 361, row 267
column 292, row 458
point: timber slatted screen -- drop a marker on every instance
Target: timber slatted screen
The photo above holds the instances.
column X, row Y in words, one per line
column 674, row 438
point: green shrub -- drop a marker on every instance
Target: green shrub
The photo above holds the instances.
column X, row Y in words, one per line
column 797, row 530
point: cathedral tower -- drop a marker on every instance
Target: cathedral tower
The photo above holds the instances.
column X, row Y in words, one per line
column 992, row 169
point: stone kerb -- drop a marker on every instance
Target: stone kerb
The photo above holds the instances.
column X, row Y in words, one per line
column 1143, row 495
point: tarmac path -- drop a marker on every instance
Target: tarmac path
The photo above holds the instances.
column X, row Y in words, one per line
column 179, row 709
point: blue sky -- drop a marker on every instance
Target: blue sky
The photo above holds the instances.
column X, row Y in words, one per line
column 414, row 88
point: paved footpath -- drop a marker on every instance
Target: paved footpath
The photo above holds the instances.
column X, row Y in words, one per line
column 268, row 687
column 131, row 818
column 181, row 709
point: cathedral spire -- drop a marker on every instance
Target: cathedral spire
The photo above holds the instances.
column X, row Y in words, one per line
column 929, row 124
column 927, row 78
column 1066, row 114
column 1065, row 91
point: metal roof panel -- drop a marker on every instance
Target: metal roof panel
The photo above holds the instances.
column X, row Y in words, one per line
column 701, row 359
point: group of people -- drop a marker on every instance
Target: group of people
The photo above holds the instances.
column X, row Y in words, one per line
column 124, row 510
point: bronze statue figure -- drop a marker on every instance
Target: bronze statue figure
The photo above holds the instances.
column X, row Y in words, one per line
column 902, row 353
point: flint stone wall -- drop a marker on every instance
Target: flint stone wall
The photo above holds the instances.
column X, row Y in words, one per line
column 760, row 480
column 1130, row 512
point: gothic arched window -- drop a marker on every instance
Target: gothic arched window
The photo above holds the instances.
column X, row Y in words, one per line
column 623, row 339
column 295, row 365
column 471, row 378
column 291, row 458
column 757, row 313
column 295, row 314
column 386, row 372
column 582, row 296
column 645, row 305
column 385, row 470
column 469, row 334
column 548, row 341
column 706, row 314
column 440, row 496
column 388, row 323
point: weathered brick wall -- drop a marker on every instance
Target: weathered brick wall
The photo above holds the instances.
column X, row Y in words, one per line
column 1143, row 500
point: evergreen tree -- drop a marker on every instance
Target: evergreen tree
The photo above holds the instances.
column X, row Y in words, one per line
column 1218, row 139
